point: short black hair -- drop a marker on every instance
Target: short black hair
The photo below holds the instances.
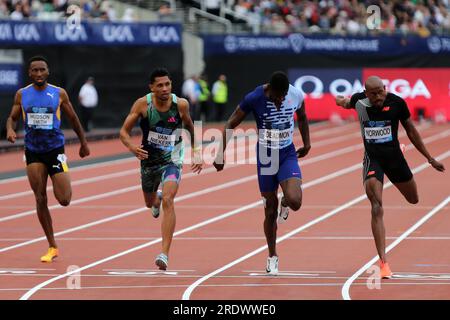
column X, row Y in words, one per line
column 279, row 82
column 37, row 58
column 159, row 72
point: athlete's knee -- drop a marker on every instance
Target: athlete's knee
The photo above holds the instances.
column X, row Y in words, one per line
column 270, row 202
column 294, row 202
column 377, row 209
column 41, row 198
column 64, row 201
column 413, row 199
column 167, row 200
column 270, row 207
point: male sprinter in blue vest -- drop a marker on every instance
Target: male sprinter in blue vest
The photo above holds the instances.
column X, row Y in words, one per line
column 41, row 104
column 273, row 106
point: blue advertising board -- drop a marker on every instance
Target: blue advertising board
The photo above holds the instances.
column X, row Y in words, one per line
column 297, row 44
column 92, row 33
column 10, row 77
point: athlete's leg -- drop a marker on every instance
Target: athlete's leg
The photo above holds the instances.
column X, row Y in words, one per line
column 374, row 191
column 37, row 176
column 408, row 190
column 171, row 177
column 62, row 188
column 151, row 199
column 292, row 193
column 150, row 181
column 169, row 192
column 270, row 221
column 289, row 176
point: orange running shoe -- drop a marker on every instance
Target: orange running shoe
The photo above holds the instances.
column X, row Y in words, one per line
column 385, row 272
column 52, row 253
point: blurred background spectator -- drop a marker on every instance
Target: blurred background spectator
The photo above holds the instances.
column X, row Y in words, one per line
column 56, row 9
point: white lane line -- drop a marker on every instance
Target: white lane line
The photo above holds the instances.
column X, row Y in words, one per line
column 144, row 270
column 346, row 288
column 329, row 284
column 285, row 274
column 13, row 269
column 180, row 198
column 132, row 212
column 97, row 197
column 193, row 227
column 294, row 271
column 230, row 206
column 136, row 170
column 76, row 183
column 191, row 288
column 133, row 158
column 232, row 238
column 80, row 168
column 223, row 216
column 328, row 155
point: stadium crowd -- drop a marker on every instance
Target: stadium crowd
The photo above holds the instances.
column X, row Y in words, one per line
column 423, row 17
column 55, row 9
column 341, row 16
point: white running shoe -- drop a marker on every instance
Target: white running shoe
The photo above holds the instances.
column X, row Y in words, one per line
column 155, row 210
column 272, row 265
column 283, row 213
column 162, row 261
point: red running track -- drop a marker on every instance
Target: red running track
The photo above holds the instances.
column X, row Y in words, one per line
column 109, row 240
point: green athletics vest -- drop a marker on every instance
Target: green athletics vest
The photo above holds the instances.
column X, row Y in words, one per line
column 221, row 95
column 204, row 95
column 161, row 134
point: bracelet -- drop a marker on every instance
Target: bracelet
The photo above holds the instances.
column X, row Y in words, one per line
column 196, row 149
column 431, row 160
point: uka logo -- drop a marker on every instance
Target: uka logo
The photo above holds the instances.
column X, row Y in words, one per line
column 163, row 34
column 19, row 32
column 117, row 33
column 65, row 33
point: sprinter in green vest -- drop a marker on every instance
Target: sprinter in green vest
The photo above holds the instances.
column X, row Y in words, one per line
column 162, row 115
column 220, row 96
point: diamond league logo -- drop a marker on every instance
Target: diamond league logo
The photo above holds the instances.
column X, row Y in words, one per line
column 231, row 43
column 434, row 44
column 297, row 41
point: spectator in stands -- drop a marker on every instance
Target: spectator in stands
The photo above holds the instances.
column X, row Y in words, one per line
column 213, row 6
column 204, row 98
column 191, row 92
column 220, row 97
column 60, row 5
column 17, row 14
column 423, row 17
column 4, row 11
column 88, row 98
column 129, row 15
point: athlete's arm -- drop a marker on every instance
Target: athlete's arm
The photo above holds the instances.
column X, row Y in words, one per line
column 67, row 108
column 235, row 119
column 303, row 126
column 183, row 110
column 416, row 140
column 134, row 115
column 13, row 118
column 343, row 102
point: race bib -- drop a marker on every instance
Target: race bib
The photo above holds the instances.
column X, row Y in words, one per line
column 159, row 139
column 40, row 120
column 275, row 135
column 378, row 131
